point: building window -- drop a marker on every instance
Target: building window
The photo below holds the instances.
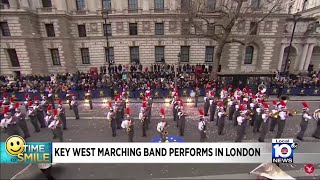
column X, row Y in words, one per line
column 158, row 6
column 109, row 55
column 253, row 28
column 185, row 5
column 4, row 4
column 13, row 57
column 185, row 29
column 249, row 55
column 159, row 54
column 255, row 4
column 159, row 28
column 211, row 30
column 81, row 5
column 107, row 29
column 50, row 30
column 134, row 55
column 4, row 28
column 184, row 54
column 133, row 6
column 209, row 54
column 106, row 5
column 46, row 3
column 211, row 5
column 82, row 30
column 85, row 55
column 55, row 57
column 133, row 29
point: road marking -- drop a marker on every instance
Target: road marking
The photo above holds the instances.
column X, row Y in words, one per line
column 292, row 173
column 21, row 172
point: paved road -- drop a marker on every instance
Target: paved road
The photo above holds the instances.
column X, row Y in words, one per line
column 93, row 127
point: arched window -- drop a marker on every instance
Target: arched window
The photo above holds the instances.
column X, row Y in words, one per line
column 249, row 55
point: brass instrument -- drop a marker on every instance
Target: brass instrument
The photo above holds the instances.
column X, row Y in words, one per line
column 128, row 129
column 262, row 88
column 316, row 115
column 284, row 98
column 164, row 133
column 275, row 115
column 143, row 118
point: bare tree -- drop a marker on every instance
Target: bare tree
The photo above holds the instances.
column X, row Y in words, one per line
column 221, row 17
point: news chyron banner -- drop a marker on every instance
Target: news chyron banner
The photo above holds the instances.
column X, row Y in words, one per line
column 16, row 150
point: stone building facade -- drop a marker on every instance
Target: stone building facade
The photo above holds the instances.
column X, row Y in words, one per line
column 59, row 36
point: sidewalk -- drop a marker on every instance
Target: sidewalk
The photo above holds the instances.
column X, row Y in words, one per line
column 201, row 99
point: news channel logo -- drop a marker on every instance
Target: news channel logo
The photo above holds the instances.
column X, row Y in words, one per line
column 283, row 150
column 16, row 150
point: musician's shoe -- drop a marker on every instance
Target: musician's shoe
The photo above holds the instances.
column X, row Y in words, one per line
column 65, row 128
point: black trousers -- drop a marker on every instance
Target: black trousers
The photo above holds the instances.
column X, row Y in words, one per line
column 47, row 173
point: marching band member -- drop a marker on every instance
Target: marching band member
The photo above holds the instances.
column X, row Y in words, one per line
column 149, row 107
column 224, row 97
column 275, row 116
column 11, row 106
column 258, row 117
column 253, row 107
column 196, row 96
column 49, row 118
column 284, row 115
column 265, row 122
column 213, row 108
column 206, row 104
column 44, row 103
column 22, row 121
column 236, row 114
column 5, row 99
column 62, row 114
column 242, row 120
column 50, row 97
column 40, row 113
column 202, row 127
column 232, row 104
column 178, row 109
column 181, row 119
column 128, row 125
column 118, row 112
column 10, row 123
column 221, row 118
column 74, row 104
column 174, row 110
column 162, row 126
column 27, row 100
column 304, row 121
column 112, row 120
column 144, row 116
column 316, row 133
column 56, row 125
column 88, row 97
column 32, row 114
column 68, row 97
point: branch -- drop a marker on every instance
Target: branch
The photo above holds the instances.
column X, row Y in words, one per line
column 235, row 41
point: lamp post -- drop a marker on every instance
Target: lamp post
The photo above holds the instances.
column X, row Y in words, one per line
column 175, row 71
column 105, row 15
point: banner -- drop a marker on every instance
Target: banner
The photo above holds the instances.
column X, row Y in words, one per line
column 157, row 93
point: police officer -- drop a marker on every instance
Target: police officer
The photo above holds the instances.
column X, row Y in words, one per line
column 265, row 122
column 32, row 114
column 56, row 125
column 68, row 97
column 304, row 121
column 182, row 121
column 128, row 125
column 51, row 98
column 202, row 126
column 258, row 118
column 62, row 114
column 10, row 122
column 112, row 120
column 89, row 97
column 74, row 104
column 241, row 127
column 40, row 113
column 22, row 121
column 221, row 119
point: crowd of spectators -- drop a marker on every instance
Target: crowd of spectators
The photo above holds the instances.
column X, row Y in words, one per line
column 136, row 77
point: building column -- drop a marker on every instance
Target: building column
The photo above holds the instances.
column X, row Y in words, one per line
column 308, row 59
column 303, row 57
column 281, row 56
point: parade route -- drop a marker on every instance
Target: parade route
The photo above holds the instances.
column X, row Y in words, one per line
column 93, row 127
